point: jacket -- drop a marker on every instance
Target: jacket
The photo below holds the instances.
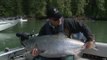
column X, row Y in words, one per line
column 69, row 27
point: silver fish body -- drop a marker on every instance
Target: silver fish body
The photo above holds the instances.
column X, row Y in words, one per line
column 54, row 45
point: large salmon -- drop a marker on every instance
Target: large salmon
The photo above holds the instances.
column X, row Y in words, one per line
column 53, row 45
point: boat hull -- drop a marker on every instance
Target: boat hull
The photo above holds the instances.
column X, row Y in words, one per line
column 101, row 50
column 7, row 24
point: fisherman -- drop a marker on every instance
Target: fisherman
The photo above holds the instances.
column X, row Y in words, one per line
column 57, row 24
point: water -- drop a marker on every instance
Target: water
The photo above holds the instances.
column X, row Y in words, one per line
column 9, row 39
column 99, row 29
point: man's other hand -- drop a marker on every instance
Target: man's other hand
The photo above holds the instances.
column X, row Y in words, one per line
column 90, row 44
column 35, row 52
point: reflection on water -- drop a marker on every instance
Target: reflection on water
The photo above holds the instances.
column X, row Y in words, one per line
column 8, row 40
column 99, row 29
column 4, row 36
column 8, row 37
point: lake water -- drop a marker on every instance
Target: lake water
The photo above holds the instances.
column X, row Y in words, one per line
column 8, row 37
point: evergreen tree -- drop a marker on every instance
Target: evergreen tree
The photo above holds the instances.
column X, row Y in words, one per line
column 17, row 7
column 67, row 8
column 6, row 7
column 100, row 8
column 64, row 6
column 90, row 9
column 73, row 6
column 79, row 6
column 25, row 7
column 2, row 9
column 40, row 7
column 105, row 8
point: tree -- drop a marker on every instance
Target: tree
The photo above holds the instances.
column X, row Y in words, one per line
column 67, row 8
column 25, row 7
column 40, row 7
column 100, row 8
column 105, row 7
column 95, row 8
column 17, row 7
column 5, row 8
column 90, row 9
column 78, row 7
column 64, row 6
column 2, row 9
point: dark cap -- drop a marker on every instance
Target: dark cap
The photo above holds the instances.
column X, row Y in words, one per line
column 53, row 13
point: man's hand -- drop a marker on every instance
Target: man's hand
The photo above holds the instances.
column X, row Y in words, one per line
column 90, row 44
column 35, row 52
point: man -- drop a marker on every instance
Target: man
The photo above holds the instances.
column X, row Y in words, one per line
column 57, row 24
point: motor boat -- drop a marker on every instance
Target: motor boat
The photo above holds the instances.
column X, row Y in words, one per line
column 23, row 20
column 5, row 24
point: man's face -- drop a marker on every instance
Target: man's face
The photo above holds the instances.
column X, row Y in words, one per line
column 55, row 22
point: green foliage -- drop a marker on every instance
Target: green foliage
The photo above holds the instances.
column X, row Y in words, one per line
column 78, row 7
column 25, row 7
column 2, row 10
column 95, row 8
column 18, row 7
column 67, row 8
column 40, row 7
column 105, row 5
column 64, row 6
column 100, row 8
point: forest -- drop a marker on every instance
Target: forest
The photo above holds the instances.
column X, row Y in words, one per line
column 36, row 8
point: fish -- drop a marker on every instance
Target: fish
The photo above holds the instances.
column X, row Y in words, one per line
column 52, row 46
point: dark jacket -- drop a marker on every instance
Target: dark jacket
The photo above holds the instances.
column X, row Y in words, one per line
column 69, row 27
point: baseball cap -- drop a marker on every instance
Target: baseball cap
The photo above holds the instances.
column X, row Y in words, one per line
column 53, row 13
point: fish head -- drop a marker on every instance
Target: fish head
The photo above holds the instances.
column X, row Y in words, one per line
column 25, row 38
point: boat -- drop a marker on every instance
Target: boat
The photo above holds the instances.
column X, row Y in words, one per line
column 5, row 24
column 100, row 53
column 14, row 53
column 23, row 20
column 90, row 54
